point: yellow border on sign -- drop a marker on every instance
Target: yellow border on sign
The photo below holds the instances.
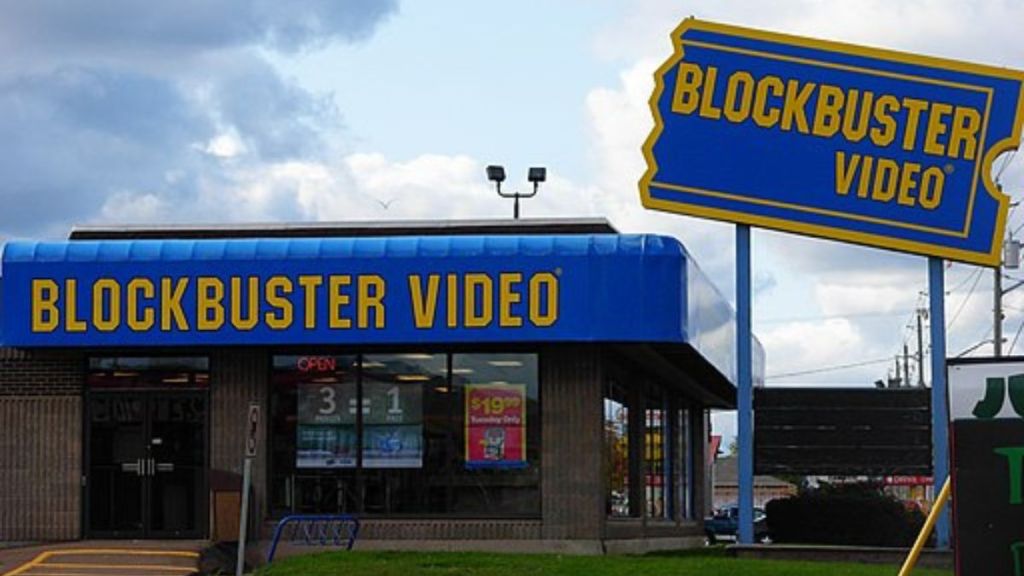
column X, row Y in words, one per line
column 964, row 229
column 992, row 258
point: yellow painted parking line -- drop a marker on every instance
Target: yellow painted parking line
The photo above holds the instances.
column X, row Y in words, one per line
column 44, row 566
column 29, row 565
column 156, row 567
column 64, row 574
column 125, row 551
column 39, row 561
column 70, row 574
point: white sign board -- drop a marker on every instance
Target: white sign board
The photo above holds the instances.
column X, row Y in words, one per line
column 980, row 390
column 252, row 430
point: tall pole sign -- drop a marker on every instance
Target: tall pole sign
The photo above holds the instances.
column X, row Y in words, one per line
column 844, row 142
column 987, row 421
column 849, row 143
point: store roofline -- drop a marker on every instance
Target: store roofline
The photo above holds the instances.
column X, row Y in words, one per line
column 545, row 226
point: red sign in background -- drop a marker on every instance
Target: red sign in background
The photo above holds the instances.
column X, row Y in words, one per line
column 495, row 428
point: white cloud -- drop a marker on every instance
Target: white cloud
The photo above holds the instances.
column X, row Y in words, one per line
column 802, row 346
column 225, row 145
column 865, row 295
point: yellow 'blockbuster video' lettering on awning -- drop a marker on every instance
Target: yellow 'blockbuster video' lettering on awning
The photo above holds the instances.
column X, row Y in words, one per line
column 308, row 301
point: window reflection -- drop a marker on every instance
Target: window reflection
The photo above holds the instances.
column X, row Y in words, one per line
column 314, row 416
column 148, row 372
column 657, row 451
column 616, row 450
column 436, row 434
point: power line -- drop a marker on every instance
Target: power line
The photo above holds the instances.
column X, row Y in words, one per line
column 1006, row 163
column 1015, row 336
column 963, row 302
column 829, row 368
column 964, row 281
column 832, row 316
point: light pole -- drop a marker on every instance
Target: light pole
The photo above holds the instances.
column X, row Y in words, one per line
column 534, row 175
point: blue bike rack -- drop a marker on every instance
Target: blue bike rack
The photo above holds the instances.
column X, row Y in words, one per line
column 316, row 530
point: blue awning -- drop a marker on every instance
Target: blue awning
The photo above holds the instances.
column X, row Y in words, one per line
column 373, row 290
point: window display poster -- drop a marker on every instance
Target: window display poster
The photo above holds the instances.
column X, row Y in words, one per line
column 495, row 426
column 326, row 431
column 392, row 424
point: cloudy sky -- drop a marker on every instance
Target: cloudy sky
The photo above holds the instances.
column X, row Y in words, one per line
column 235, row 110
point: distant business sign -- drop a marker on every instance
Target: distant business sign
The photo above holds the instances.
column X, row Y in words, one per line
column 908, row 481
column 844, row 142
column 987, row 421
column 837, row 432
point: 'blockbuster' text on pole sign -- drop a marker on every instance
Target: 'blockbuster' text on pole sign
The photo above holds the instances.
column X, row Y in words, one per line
column 855, row 144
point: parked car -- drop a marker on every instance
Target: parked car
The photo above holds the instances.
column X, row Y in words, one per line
column 726, row 520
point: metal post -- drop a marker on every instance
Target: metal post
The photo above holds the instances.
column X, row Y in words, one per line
column 920, row 352
column 243, row 523
column 745, row 388
column 515, row 211
column 940, row 410
column 997, row 312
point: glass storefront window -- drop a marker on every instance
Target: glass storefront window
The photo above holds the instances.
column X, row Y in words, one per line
column 406, row 433
column 616, row 450
column 496, row 470
column 148, row 372
column 403, row 433
column 657, row 450
column 684, row 465
column 314, row 444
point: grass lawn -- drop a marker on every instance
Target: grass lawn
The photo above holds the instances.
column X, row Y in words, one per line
column 702, row 563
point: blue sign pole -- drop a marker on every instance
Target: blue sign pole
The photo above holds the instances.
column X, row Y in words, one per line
column 745, row 387
column 940, row 421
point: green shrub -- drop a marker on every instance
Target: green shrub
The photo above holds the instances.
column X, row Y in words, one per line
column 853, row 515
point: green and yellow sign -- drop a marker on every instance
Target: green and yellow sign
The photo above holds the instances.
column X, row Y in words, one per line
column 987, row 425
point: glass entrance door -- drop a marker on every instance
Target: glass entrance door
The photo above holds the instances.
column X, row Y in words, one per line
column 177, row 475
column 117, row 456
column 147, row 465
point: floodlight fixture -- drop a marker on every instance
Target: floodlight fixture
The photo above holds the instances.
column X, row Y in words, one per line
column 496, row 173
column 535, row 175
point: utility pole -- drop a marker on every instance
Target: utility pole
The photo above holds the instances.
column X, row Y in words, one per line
column 997, row 309
column 1010, row 258
column 906, row 365
column 920, row 351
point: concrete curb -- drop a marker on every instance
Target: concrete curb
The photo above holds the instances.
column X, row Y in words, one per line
column 930, row 558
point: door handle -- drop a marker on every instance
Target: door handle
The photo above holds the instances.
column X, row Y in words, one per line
column 132, row 467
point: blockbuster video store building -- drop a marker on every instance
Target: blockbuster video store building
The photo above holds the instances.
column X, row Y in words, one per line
column 529, row 384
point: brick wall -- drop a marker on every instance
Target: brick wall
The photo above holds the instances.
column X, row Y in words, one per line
column 41, row 372
column 40, row 444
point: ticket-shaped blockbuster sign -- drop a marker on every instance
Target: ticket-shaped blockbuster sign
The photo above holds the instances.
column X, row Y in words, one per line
column 857, row 144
